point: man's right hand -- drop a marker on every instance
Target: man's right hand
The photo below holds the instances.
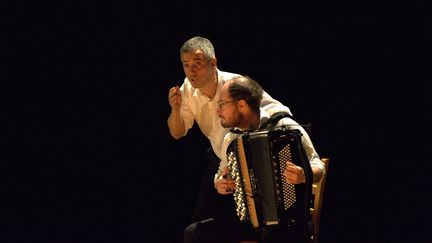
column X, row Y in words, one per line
column 223, row 184
column 175, row 98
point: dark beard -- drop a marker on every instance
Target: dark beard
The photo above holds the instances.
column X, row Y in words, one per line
column 234, row 122
column 240, row 118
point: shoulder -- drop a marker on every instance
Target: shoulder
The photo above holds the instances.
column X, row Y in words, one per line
column 286, row 121
column 225, row 76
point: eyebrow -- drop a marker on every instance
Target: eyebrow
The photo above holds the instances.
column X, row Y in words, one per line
column 195, row 59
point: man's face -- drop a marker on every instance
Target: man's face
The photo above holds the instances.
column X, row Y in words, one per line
column 198, row 69
column 227, row 110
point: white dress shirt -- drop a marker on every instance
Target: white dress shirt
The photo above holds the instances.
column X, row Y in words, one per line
column 198, row 107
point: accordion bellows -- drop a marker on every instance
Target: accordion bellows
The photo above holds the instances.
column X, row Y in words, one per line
column 263, row 196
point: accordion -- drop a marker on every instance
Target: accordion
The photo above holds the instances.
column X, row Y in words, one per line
column 263, row 196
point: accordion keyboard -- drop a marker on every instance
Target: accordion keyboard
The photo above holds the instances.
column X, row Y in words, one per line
column 239, row 192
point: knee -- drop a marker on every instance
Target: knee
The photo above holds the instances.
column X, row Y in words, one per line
column 189, row 233
column 196, row 232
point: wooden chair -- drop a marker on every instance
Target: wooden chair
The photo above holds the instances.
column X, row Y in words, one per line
column 316, row 204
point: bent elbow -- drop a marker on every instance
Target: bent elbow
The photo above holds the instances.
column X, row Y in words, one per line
column 176, row 136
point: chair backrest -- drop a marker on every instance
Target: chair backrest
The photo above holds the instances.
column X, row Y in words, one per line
column 316, row 205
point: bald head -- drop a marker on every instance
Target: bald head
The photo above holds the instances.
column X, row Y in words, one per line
column 247, row 89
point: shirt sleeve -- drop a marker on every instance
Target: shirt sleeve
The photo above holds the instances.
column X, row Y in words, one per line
column 185, row 110
column 222, row 164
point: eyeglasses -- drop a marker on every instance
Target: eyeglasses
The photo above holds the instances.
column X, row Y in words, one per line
column 221, row 103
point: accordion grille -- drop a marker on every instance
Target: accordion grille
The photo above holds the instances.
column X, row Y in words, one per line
column 239, row 198
column 288, row 189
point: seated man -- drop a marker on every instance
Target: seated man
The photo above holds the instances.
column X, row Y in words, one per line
column 239, row 108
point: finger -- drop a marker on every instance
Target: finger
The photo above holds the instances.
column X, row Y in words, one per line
column 223, row 182
column 291, row 169
column 289, row 163
column 231, row 182
column 286, row 174
column 174, row 90
column 171, row 90
column 171, row 93
column 173, row 97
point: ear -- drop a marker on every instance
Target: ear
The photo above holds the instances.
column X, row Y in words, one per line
column 241, row 105
column 213, row 62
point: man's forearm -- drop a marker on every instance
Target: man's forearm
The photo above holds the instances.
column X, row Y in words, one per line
column 176, row 125
column 317, row 174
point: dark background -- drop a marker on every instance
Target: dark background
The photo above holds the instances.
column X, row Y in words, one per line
column 87, row 156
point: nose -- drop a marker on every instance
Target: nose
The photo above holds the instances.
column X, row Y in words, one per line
column 218, row 110
column 193, row 68
column 190, row 69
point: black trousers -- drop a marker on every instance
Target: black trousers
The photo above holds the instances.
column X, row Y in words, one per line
column 226, row 229
column 300, row 233
column 209, row 203
column 230, row 230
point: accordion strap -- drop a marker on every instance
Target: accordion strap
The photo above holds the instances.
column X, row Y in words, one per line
column 279, row 115
column 273, row 120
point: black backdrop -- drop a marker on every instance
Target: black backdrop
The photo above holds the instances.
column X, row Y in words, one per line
column 87, row 153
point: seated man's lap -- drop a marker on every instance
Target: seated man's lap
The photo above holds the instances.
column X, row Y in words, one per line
column 226, row 229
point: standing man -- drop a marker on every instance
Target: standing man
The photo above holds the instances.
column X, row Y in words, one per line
column 196, row 101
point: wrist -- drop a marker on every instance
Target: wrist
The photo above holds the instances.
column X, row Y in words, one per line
column 303, row 176
column 175, row 111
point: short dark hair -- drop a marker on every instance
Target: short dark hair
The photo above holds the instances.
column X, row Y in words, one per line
column 247, row 89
